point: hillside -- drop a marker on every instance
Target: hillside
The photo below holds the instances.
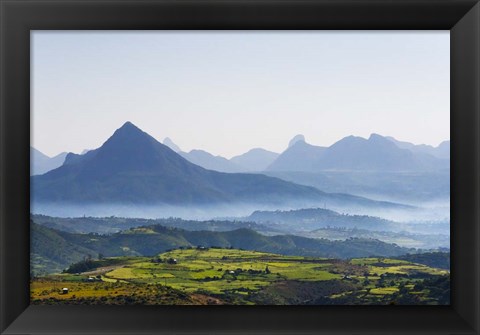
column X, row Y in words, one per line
column 51, row 252
column 150, row 240
column 439, row 260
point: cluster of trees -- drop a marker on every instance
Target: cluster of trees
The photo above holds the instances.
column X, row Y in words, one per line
column 84, row 265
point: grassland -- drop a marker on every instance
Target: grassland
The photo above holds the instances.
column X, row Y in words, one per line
column 232, row 276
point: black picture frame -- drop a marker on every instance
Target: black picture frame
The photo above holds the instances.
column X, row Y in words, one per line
column 18, row 17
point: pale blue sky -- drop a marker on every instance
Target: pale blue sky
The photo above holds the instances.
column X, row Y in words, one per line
column 227, row 92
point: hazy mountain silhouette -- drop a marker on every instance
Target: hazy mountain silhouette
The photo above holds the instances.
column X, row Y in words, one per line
column 441, row 151
column 41, row 163
column 300, row 156
column 204, row 159
column 296, row 139
column 210, row 162
column 257, row 159
column 133, row 167
column 169, row 143
column 377, row 153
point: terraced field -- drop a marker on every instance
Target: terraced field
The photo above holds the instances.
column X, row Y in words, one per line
column 230, row 276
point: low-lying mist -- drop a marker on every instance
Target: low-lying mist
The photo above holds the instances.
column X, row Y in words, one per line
column 192, row 212
column 428, row 212
column 420, row 227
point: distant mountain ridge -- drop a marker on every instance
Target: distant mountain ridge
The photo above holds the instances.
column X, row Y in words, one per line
column 441, row 151
column 169, row 143
column 299, row 156
column 211, row 162
column 377, row 153
column 204, row 159
column 256, row 159
column 351, row 153
column 41, row 163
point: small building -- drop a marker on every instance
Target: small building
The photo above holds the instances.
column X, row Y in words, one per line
column 65, row 290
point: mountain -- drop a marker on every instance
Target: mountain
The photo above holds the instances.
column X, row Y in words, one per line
column 210, row 162
column 299, row 156
column 41, row 163
column 169, row 143
column 296, row 139
column 131, row 167
column 377, row 153
column 256, row 159
column 441, row 151
column 204, row 159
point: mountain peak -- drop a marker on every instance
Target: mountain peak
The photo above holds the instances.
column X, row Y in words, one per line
column 377, row 137
column 129, row 126
column 374, row 135
column 130, row 133
column 169, row 143
column 295, row 139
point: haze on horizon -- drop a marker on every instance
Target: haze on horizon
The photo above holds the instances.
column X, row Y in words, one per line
column 228, row 92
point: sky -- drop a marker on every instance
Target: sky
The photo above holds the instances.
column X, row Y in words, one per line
column 227, row 92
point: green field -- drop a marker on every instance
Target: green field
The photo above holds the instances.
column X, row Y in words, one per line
column 231, row 276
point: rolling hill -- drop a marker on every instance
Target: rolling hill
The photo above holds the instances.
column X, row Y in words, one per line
column 62, row 248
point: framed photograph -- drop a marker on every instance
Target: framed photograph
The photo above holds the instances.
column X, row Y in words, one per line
column 251, row 167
